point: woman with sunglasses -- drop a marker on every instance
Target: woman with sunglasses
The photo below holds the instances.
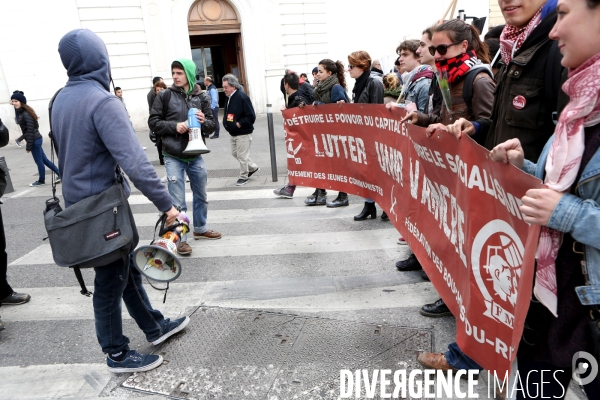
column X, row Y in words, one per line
column 27, row 120
column 458, row 51
column 367, row 90
column 563, row 319
column 330, row 89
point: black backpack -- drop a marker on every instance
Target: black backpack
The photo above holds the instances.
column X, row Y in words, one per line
column 469, row 79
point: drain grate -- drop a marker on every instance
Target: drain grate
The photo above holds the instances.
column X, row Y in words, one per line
column 236, row 354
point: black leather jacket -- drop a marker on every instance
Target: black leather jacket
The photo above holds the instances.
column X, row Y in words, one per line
column 29, row 127
column 177, row 111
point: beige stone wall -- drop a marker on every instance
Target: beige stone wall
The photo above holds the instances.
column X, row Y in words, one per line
column 496, row 17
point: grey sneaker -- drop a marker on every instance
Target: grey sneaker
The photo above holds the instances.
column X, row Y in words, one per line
column 241, row 182
column 172, row 327
column 17, row 143
column 134, row 362
column 58, row 180
column 37, row 183
column 284, row 192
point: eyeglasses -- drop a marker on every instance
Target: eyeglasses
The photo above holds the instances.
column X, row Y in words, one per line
column 350, row 67
column 442, row 49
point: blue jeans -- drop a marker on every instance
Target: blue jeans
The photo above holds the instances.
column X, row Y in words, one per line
column 40, row 159
column 459, row 360
column 215, row 112
column 196, row 171
column 115, row 282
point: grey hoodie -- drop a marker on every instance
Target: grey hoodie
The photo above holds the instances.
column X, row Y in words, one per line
column 92, row 130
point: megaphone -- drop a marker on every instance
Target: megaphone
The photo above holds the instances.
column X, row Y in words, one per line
column 196, row 145
column 158, row 260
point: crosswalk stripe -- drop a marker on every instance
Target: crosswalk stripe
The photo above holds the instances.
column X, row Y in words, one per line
column 73, row 381
column 316, row 294
column 262, row 214
column 257, row 245
column 241, row 194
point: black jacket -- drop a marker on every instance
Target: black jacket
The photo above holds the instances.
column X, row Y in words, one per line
column 150, row 97
column 29, row 127
column 238, row 108
column 177, row 111
column 535, row 75
column 372, row 93
column 296, row 98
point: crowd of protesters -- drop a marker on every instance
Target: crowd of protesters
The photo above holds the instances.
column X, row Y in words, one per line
column 547, row 56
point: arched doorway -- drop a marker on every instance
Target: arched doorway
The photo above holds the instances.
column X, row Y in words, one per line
column 216, row 42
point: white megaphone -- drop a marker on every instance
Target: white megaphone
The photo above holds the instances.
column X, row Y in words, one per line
column 196, row 145
column 158, row 261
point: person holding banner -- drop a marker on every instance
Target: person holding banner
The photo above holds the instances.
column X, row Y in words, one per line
column 367, row 90
column 458, row 50
column 330, row 89
column 564, row 319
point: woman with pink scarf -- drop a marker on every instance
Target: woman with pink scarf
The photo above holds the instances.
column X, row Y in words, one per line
column 564, row 317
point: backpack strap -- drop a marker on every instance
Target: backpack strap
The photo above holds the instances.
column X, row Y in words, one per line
column 468, row 80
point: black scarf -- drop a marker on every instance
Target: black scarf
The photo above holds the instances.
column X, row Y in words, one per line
column 359, row 86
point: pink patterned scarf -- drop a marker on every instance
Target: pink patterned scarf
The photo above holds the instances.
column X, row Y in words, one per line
column 562, row 165
column 512, row 38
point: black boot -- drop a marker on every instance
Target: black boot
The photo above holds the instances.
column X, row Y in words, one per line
column 318, row 198
column 368, row 210
column 340, row 200
column 410, row 264
column 384, row 216
column 435, row 310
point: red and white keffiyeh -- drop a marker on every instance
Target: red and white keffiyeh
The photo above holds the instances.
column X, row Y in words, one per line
column 562, row 165
column 512, row 38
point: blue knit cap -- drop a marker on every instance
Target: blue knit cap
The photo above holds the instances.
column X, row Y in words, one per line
column 20, row 96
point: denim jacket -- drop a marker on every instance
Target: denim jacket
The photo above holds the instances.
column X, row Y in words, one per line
column 579, row 216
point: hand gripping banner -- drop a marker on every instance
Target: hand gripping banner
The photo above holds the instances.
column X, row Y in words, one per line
column 457, row 210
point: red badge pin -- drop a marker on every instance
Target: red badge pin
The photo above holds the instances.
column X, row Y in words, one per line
column 519, row 102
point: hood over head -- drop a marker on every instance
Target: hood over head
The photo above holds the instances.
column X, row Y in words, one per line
column 85, row 57
column 190, row 71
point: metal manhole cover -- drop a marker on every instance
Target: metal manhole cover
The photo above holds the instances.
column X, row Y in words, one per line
column 233, row 354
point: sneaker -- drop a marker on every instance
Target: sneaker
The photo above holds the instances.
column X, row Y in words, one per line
column 58, row 180
column 209, row 234
column 163, row 179
column 213, row 137
column 253, row 172
column 284, row 192
column 15, row 299
column 37, row 183
column 134, row 362
column 183, row 248
column 17, row 143
column 172, row 328
column 402, row 241
column 241, row 182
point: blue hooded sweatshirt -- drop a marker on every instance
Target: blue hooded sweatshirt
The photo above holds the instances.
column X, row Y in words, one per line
column 92, row 129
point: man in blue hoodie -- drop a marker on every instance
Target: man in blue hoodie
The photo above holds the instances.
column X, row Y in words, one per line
column 93, row 134
column 214, row 103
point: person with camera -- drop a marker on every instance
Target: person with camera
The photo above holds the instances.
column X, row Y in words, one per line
column 93, row 135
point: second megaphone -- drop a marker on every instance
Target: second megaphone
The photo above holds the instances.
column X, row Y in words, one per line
column 196, row 145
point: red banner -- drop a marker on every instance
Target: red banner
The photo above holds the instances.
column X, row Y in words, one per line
column 457, row 209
